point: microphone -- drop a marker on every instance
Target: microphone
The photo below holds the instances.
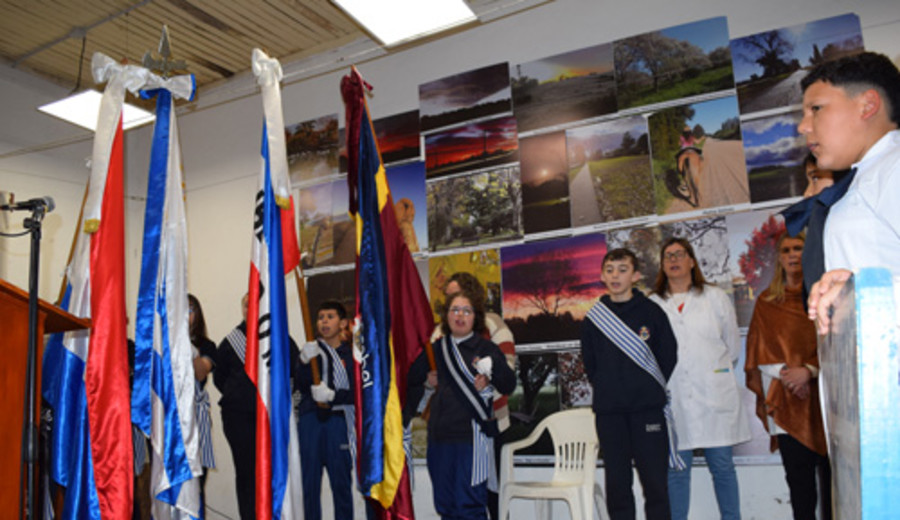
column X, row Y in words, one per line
column 32, row 204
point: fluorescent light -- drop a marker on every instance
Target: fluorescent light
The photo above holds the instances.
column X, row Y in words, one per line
column 396, row 21
column 82, row 109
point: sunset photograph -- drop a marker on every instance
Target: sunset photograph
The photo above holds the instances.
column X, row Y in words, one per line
column 466, row 96
column 471, row 147
column 549, row 286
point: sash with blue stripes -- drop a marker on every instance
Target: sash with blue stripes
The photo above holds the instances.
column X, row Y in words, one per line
column 204, row 426
column 481, row 404
column 637, row 350
column 334, row 369
column 238, row 341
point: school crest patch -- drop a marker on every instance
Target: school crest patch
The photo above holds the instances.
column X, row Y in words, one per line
column 644, row 333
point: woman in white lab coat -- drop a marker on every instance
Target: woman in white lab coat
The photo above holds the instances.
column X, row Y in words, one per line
column 706, row 401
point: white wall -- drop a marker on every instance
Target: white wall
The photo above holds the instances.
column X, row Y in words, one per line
column 220, row 143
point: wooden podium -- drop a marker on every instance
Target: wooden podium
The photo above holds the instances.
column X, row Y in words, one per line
column 14, row 348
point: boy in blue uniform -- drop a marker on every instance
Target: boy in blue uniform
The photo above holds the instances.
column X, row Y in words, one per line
column 325, row 415
column 629, row 352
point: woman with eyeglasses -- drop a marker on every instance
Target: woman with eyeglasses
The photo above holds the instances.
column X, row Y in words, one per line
column 781, row 369
column 461, row 422
column 706, row 401
column 204, row 363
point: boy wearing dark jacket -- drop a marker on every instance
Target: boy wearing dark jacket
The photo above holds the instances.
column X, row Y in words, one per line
column 629, row 352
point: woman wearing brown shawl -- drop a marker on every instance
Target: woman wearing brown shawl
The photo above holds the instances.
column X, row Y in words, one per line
column 781, row 366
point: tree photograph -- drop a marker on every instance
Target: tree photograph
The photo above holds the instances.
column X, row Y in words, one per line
column 751, row 239
column 564, row 88
column 673, row 63
column 610, row 177
column 312, row 148
column 327, row 235
column 549, row 286
column 536, row 396
column 768, row 66
column 474, row 209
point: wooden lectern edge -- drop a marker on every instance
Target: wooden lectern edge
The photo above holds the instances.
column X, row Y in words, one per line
column 56, row 319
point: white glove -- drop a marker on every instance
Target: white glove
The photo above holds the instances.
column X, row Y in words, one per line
column 485, row 366
column 309, row 351
column 321, row 393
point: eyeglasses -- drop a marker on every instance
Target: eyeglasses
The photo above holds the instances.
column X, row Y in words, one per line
column 465, row 311
column 675, row 255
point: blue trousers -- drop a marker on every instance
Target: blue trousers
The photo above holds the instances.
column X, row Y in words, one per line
column 323, row 445
column 725, row 484
column 450, row 469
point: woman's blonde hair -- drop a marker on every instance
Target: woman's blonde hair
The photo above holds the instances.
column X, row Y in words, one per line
column 777, row 285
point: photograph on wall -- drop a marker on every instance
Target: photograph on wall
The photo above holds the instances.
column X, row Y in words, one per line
column 752, row 237
column 549, row 286
column 407, row 184
column 644, row 242
column 768, row 66
column 474, row 209
column 775, row 155
column 536, row 396
column 398, row 137
column 709, row 239
column 470, row 147
column 467, row 96
column 609, row 171
column 483, row 264
column 564, row 88
column 698, row 157
column 544, row 172
column 312, row 148
column 327, row 235
column 339, row 286
column 574, row 388
column 673, row 63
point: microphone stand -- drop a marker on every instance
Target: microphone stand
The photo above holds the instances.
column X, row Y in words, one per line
column 29, row 431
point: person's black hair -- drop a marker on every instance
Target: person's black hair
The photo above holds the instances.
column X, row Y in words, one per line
column 198, row 329
column 333, row 305
column 621, row 254
column 858, row 73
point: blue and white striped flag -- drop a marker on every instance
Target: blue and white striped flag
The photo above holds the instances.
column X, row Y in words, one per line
column 163, row 392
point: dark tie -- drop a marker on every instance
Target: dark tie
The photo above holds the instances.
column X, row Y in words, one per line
column 797, row 216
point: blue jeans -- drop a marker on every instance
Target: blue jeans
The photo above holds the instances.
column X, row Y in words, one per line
column 725, row 484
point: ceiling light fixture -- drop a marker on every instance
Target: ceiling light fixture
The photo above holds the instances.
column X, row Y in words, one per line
column 83, row 108
column 393, row 22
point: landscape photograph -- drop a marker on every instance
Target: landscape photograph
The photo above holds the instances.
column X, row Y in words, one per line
column 610, row 177
column 545, row 183
column 698, row 156
column 775, row 155
column 549, row 286
column 470, row 147
column 327, row 235
column 398, row 137
column 677, row 62
column 469, row 210
column 470, row 95
column 564, row 88
column 312, row 148
column 768, row 66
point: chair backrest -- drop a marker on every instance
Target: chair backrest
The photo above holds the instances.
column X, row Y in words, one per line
column 575, row 444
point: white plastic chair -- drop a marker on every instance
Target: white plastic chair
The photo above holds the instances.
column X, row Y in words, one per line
column 575, row 464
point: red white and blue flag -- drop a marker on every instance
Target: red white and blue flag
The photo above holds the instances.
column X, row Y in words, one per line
column 163, row 388
column 268, row 359
column 86, row 372
column 393, row 316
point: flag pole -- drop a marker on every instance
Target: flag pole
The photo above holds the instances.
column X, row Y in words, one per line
column 307, row 325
